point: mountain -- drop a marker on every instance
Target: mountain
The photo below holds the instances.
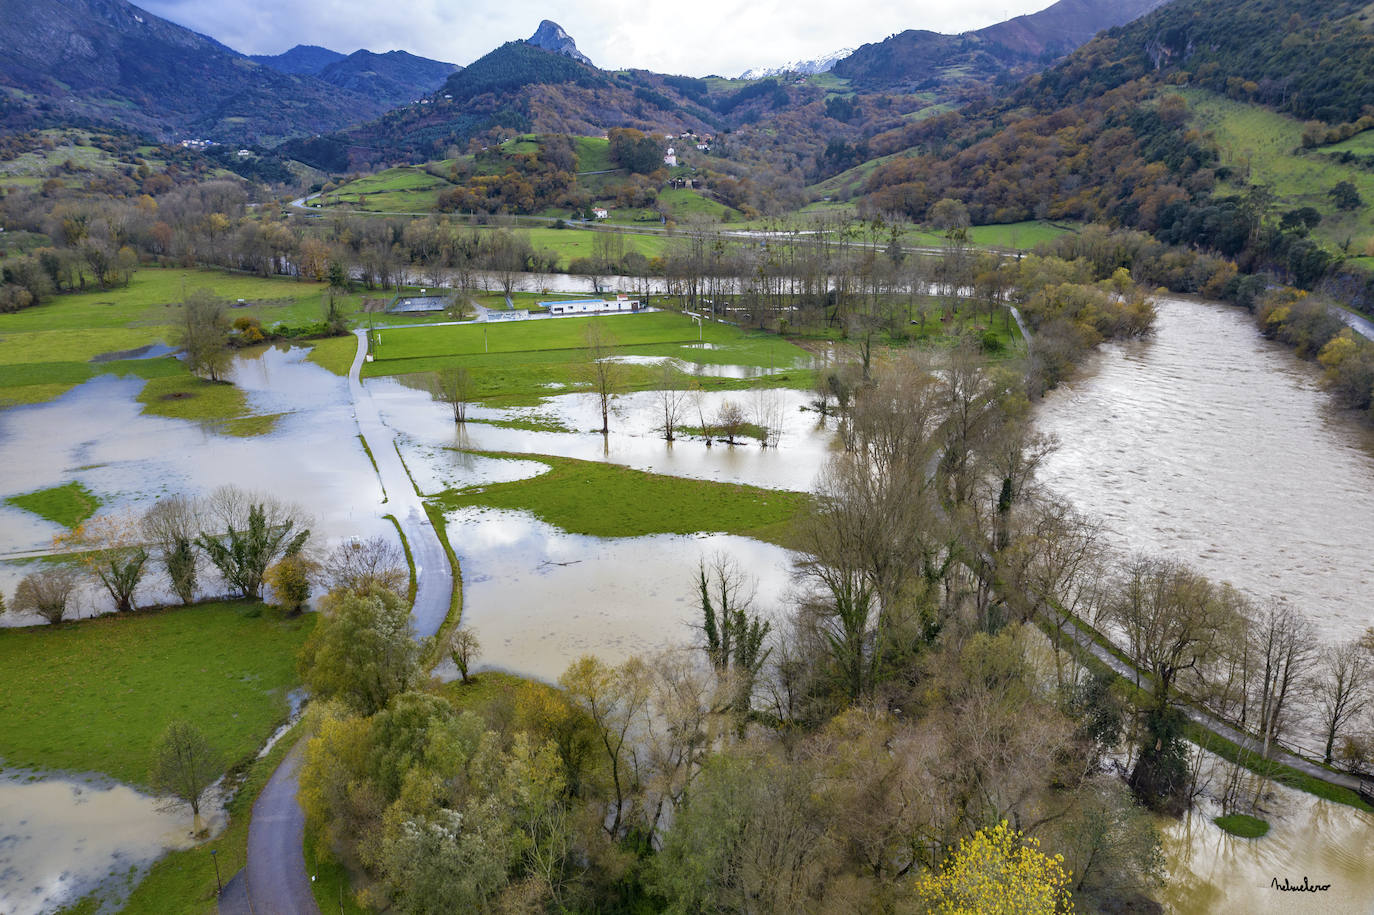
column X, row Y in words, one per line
column 393, row 78
column 917, row 59
column 551, row 37
column 109, row 62
column 306, row 59
column 807, row 67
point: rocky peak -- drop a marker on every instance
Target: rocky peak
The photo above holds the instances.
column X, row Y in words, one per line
column 551, row 37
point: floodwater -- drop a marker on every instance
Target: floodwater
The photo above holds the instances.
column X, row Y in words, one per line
column 62, row 838
column 802, row 448
column 1212, row 445
column 1324, row 843
column 95, row 434
column 540, row 598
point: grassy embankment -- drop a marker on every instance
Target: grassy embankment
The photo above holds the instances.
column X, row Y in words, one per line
column 608, row 500
column 47, row 350
column 1265, row 148
column 516, row 363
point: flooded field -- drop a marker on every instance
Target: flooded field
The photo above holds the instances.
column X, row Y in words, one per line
column 540, row 598
column 803, row 443
column 1309, row 839
column 61, row 839
column 96, row 434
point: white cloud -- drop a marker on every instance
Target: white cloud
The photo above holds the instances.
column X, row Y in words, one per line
column 713, row 36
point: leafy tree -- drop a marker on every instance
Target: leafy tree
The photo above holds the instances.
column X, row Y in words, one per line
column 254, row 540
column 997, row 872
column 203, row 334
column 111, row 547
column 184, row 764
column 290, row 581
column 734, row 635
column 363, row 650
column 172, row 525
column 1345, row 196
column 46, row 592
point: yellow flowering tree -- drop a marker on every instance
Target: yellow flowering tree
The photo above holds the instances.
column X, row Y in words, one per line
column 997, row 872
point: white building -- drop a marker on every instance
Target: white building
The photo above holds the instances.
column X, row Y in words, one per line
column 591, row 306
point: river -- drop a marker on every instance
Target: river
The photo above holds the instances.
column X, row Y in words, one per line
column 1211, row 445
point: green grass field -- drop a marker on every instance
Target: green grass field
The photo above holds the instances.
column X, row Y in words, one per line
column 67, row 505
column 95, row 695
column 686, row 203
column 593, row 154
column 405, row 189
column 574, row 496
column 574, row 243
column 1264, row 147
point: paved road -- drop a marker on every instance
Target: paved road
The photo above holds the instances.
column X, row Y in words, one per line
column 1213, row 724
column 275, row 881
column 1361, row 326
column 433, row 575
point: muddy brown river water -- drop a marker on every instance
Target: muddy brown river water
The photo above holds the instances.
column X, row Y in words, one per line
column 1212, row 445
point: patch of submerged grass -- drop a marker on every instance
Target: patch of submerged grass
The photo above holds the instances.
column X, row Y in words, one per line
column 93, row 696
column 1243, row 825
column 185, row 396
column 67, row 505
column 607, row 500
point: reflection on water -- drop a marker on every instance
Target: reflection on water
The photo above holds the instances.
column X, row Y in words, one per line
column 1329, row 844
column 1212, row 445
column 540, row 598
column 802, row 447
column 61, row 839
column 96, row 434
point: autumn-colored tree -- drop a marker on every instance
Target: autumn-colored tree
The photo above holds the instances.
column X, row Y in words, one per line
column 111, row 547
column 997, row 872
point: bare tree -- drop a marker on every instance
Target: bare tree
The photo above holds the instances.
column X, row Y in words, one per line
column 453, row 385
column 360, row 565
column 463, row 648
column 602, row 372
column 46, row 592
column 1283, row 643
column 768, row 415
column 1342, row 689
column 671, row 398
column 730, row 421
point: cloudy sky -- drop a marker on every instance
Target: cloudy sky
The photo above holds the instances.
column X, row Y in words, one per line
column 712, row 36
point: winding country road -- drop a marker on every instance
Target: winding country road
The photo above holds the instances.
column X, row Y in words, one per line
column 275, row 882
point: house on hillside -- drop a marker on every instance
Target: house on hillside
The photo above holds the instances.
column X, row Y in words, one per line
column 599, row 213
column 671, row 158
